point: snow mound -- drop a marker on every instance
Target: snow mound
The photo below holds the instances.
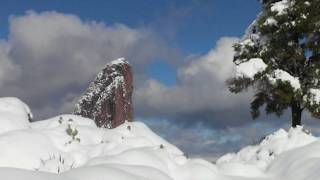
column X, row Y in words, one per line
column 14, row 114
column 73, row 147
column 300, row 163
column 261, row 155
column 70, row 147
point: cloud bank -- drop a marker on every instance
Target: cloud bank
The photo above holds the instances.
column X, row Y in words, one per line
column 201, row 94
column 54, row 56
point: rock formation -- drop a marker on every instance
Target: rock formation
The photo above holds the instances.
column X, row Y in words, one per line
column 108, row 100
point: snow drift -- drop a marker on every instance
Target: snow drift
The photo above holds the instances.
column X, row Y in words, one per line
column 69, row 147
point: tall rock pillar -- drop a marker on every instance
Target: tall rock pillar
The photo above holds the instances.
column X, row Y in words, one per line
column 108, row 99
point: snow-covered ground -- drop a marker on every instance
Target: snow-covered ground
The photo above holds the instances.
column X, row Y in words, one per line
column 69, row 147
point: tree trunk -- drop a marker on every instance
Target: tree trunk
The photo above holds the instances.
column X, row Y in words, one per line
column 296, row 112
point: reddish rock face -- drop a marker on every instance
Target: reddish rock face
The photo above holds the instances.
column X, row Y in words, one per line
column 108, row 100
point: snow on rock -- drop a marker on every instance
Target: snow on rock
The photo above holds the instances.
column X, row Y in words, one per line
column 14, row 114
column 118, row 61
column 108, row 99
column 284, row 76
column 250, row 68
column 258, row 157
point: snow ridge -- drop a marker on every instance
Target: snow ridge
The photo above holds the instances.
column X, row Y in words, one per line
column 70, row 147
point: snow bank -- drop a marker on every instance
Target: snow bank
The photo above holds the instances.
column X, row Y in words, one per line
column 250, row 68
column 258, row 157
column 75, row 148
column 69, row 147
column 14, row 114
column 301, row 163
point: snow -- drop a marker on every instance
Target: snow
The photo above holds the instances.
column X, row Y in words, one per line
column 118, row 61
column 270, row 21
column 307, row 3
column 300, row 163
column 247, row 42
column 14, row 114
column 254, row 66
column 250, row 68
column 130, row 151
column 261, row 155
column 50, row 149
column 281, row 75
column 315, row 96
column 280, row 7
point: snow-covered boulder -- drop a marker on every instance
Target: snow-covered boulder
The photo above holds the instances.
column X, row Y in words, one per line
column 14, row 114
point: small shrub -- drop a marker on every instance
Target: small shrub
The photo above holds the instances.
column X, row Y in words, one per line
column 60, row 120
column 161, row 146
column 71, row 131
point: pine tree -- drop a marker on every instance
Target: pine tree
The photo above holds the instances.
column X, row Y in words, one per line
column 283, row 47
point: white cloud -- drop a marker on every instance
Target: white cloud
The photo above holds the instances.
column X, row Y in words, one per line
column 50, row 55
column 6, row 66
column 212, row 142
column 201, row 85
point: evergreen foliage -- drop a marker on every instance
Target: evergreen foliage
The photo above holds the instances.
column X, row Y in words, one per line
column 286, row 36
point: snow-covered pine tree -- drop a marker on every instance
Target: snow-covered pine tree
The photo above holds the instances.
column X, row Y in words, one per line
column 280, row 58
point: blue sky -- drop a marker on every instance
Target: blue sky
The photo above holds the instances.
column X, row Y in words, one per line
column 193, row 26
column 181, row 52
column 209, row 20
